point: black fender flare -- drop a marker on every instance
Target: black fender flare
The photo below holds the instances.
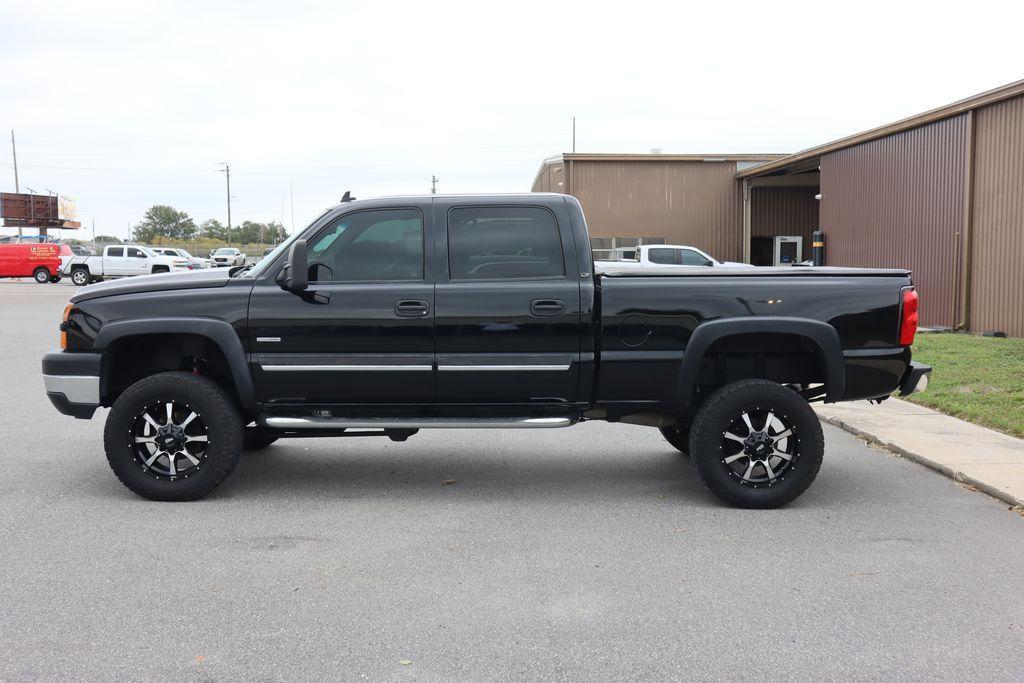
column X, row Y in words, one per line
column 823, row 335
column 219, row 332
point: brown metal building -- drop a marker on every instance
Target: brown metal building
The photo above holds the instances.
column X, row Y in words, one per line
column 634, row 199
column 941, row 193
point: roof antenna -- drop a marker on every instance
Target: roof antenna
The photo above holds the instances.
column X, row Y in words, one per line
column 347, row 197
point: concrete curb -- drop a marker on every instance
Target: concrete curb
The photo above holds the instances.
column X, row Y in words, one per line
column 951, row 472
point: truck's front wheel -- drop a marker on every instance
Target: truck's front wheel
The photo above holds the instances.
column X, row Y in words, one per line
column 173, row 436
column 679, row 437
column 757, row 444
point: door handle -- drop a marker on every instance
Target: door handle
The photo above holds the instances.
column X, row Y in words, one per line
column 547, row 307
column 412, row 308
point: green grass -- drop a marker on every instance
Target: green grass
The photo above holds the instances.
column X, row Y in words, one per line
column 980, row 379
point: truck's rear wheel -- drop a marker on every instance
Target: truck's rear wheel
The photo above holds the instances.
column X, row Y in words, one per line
column 41, row 275
column 757, row 444
column 80, row 277
column 173, row 436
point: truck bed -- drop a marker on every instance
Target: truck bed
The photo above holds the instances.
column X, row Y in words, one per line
column 760, row 271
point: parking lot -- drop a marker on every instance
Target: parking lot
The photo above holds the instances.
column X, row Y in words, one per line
column 590, row 552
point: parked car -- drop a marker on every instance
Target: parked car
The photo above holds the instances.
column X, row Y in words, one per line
column 195, row 262
column 662, row 255
column 121, row 260
column 79, row 250
column 392, row 315
column 39, row 261
column 228, row 256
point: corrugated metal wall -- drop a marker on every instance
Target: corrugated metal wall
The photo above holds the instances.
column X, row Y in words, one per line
column 997, row 245
column 899, row 202
column 686, row 202
column 784, row 211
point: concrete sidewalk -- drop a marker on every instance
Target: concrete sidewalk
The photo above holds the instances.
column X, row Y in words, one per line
column 989, row 460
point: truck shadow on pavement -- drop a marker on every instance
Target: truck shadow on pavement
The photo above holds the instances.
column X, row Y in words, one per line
column 291, row 470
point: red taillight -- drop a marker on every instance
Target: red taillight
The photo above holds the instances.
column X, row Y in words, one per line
column 908, row 317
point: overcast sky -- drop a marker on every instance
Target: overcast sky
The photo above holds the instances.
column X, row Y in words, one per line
column 125, row 105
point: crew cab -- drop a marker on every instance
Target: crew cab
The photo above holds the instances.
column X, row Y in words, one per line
column 121, row 260
column 662, row 255
column 391, row 315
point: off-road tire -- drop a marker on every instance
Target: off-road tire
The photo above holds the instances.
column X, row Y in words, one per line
column 256, row 439
column 41, row 275
column 679, row 437
column 204, row 396
column 80, row 277
column 720, row 410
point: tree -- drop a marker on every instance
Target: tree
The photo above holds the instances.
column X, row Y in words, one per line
column 107, row 239
column 167, row 222
column 212, row 229
column 251, row 232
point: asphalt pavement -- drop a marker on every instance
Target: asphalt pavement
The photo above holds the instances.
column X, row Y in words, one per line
column 585, row 553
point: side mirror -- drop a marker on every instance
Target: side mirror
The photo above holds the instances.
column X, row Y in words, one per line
column 295, row 275
column 709, row 262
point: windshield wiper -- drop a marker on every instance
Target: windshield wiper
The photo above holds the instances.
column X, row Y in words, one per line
column 243, row 269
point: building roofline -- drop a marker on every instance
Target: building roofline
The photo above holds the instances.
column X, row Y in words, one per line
column 587, row 156
column 986, row 98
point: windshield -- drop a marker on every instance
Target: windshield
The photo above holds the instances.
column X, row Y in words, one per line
column 148, row 252
column 265, row 262
column 184, row 254
column 224, row 252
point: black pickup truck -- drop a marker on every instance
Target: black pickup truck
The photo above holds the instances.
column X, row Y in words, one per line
column 391, row 315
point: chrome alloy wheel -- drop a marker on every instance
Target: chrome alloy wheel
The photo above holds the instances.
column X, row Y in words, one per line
column 169, row 440
column 760, row 455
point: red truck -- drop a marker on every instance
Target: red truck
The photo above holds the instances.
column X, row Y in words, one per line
column 38, row 261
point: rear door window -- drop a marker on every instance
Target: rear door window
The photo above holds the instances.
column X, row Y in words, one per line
column 503, row 242
column 116, row 251
column 668, row 257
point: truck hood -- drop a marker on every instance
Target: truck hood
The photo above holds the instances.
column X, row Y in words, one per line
column 193, row 279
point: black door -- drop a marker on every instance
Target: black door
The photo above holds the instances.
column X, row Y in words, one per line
column 364, row 330
column 508, row 308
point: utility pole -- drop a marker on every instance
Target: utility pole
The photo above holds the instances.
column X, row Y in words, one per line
column 227, row 175
column 14, row 153
column 291, row 193
column 574, row 135
column 94, row 232
column 433, row 184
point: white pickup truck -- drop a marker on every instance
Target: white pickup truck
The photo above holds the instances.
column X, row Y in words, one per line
column 662, row 255
column 120, row 260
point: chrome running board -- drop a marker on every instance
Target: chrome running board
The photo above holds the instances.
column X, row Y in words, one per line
column 280, row 422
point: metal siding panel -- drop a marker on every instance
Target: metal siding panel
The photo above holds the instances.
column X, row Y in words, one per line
column 997, row 263
column 784, row 211
column 687, row 202
column 898, row 202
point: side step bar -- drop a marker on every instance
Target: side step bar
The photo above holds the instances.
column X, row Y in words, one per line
column 279, row 422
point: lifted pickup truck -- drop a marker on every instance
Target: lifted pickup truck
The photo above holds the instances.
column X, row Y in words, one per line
column 391, row 315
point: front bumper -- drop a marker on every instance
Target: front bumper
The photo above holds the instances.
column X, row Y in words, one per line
column 72, row 382
column 915, row 379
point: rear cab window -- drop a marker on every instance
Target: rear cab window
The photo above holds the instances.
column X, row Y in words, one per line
column 503, row 242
